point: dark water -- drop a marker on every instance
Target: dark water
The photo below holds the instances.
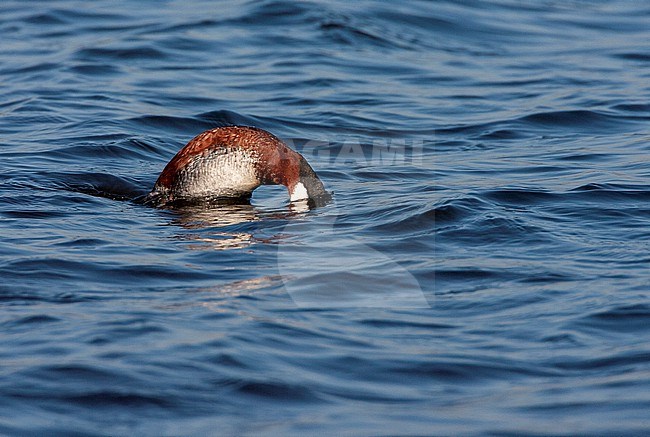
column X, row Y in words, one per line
column 484, row 268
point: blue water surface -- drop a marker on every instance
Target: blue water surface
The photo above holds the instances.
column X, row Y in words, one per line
column 483, row 269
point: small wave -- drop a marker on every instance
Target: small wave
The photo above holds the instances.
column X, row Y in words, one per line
column 274, row 391
column 520, row 127
column 95, row 69
column 25, row 293
column 130, row 149
column 47, row 19
column 185, row 125
column 575, row 118
column 343, row 30
column 611, row 361
column 118, row 54
column 33, row 68
column 225, row 117
column 191, row 126
column 30, row 320
column 492, row 229
column 611, row 192
column 275, row 13
column 641, row 57
column 520, row 197
column 504, row 134
column 113, row 398
column 632, row 107
column 474, row 219
column 630, row 318
column 101, row 185
column 467, row 370
column 33, row 214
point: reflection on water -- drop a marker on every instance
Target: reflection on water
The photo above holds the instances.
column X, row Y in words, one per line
column 220, row 226
column 245, row 286
column 206, row 217
column 326, row 271
column 218, row 241
column 218, row 298
column 209, row 215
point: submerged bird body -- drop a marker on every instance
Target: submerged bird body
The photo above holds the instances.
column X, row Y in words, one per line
column 229, row 163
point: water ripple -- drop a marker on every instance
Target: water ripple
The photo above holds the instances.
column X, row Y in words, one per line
column 481, row 271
